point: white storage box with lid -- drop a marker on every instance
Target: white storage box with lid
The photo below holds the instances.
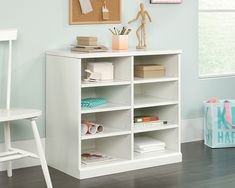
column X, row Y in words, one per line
column 104, row 68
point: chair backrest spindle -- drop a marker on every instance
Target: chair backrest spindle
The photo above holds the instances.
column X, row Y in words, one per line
column 8, row 35
column 8, row 101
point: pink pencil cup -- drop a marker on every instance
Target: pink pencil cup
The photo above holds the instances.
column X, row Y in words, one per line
column 120, row 42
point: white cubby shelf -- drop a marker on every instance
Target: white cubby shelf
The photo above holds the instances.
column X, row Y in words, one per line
column 105, row 108
column 108, row 132
column 127, row 96
column 155, row 128
column 86, row 84
column 155, row 154
column 144, row 101
column 138, row 80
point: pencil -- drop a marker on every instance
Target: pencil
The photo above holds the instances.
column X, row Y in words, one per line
column 112, row 31
column 123, row 30
column 128, row 31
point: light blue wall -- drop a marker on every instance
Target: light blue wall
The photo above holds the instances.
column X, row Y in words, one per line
column 43, row 24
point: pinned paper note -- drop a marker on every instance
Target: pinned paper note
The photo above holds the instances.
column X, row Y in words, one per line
column 86, row 6
column 105, row 11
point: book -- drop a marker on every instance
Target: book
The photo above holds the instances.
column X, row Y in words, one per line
column 139, row 119
column 142, row 142
column 89, row 49
column 149, row 150
column 89, row 158
column 148, row 124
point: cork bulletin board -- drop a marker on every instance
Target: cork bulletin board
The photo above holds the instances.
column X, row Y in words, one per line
column 95, row 17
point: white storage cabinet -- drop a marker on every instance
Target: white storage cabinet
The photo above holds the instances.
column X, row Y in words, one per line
column 128, row 96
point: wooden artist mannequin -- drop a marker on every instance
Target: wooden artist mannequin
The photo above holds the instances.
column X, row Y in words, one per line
column 142, row 28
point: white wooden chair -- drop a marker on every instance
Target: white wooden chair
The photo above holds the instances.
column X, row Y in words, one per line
column 7, row 115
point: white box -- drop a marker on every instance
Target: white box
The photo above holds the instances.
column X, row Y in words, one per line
column 104, row 68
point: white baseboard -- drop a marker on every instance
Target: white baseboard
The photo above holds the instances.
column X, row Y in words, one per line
column 192, row 130
column 28, row 145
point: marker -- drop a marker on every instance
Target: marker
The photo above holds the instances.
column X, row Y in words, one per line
column 115, row 31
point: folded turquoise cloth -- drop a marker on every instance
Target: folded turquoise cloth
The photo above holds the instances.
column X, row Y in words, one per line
column 93, row 102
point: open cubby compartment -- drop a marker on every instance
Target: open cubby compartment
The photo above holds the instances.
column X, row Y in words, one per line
column 170, row 62
column 118, row 147
column 169, row 136
column 122, row 67
column 169, row 113
column 114, row 94
column 112, row 121
column 154, row 94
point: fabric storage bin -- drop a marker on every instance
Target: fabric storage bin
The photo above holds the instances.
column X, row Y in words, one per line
column 149, row 70
column 219, row 124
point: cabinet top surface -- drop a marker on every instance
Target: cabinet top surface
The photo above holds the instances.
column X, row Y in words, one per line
column 111, row 53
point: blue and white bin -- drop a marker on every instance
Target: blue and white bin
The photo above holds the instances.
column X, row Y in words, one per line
column 219, row 123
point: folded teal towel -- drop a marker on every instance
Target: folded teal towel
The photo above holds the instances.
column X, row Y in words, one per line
column 93, row 102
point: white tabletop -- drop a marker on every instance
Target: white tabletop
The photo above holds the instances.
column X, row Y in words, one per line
column 112, row 53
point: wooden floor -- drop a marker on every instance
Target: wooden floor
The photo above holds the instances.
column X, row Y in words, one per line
column 201, row 168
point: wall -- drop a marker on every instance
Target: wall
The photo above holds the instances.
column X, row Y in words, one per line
column 44, row 25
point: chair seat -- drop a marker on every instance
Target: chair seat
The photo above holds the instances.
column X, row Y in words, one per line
column 18, row 114
column 8, row 34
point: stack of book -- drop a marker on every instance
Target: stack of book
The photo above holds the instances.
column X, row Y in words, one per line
column 89, row 49
column 147, row 121
column 88, row 44
column 145, row 144
column 142, row 119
